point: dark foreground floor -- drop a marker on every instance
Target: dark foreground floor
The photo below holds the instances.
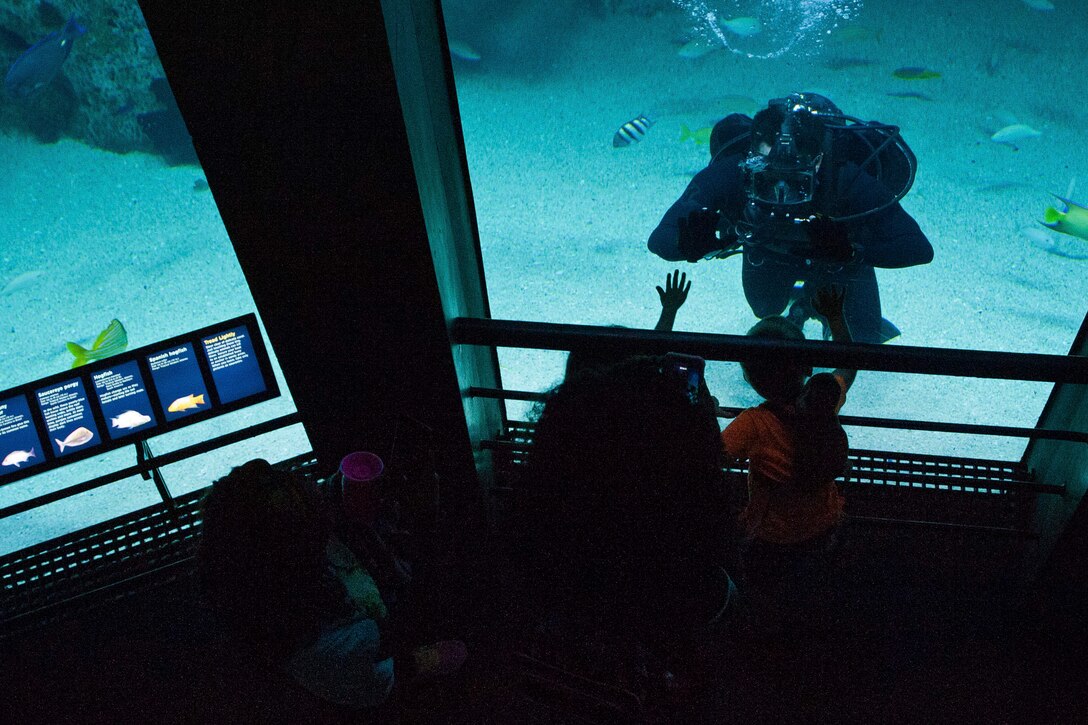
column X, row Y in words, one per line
column 908, row 647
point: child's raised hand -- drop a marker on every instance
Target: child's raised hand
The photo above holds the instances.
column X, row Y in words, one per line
column 675, row 292
column 829, row 299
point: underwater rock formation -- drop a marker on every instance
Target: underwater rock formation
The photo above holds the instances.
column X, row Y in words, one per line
column 166, row 128
column 102, row 88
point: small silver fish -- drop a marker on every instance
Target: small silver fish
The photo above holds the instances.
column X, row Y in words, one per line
column 696, row 48
column 745, row 27
column 76, row 438
column 1014, row 134
column 632, row 131
column 464, row 51
column 23, row 280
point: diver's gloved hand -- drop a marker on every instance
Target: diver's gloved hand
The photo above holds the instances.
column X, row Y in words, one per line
column 698, row 234
column 829, row 240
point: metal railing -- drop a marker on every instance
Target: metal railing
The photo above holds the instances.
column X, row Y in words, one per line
column 861, row 356
column 885, row 358
column 147, row 465
column 725, row 411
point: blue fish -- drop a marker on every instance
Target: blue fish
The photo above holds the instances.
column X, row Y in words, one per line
column 40, row 63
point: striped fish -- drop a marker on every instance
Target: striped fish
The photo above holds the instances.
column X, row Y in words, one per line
column 632, row 131
column 110, row 341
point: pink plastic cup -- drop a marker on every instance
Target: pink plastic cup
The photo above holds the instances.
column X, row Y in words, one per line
column 361, row 494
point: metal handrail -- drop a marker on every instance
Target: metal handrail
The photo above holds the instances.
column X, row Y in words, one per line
column 861, row 356
column 150, row 463
column 851, row 420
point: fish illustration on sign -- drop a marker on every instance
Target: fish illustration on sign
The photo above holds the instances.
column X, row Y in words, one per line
column 76, row 438
column 112, row 340
column 632, row 131
column 186, row 403
column 1073, row 220
column 16, row 457
column 40, row 63
column 130, row 419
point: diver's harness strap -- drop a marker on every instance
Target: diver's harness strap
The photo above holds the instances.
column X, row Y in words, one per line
column 874, row 147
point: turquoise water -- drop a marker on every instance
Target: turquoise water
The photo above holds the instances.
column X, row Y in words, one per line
column 88, row 234
column 564, row 216
column 96, row 223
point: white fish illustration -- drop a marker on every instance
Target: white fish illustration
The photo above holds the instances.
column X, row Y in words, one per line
column 16, row 457
column 130, row 419
column 76, row 438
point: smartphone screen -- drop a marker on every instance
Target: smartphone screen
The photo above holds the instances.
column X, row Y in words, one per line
column 689, row 370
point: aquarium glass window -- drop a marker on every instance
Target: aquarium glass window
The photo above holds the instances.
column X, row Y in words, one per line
column 585, row 122
column 109, row 240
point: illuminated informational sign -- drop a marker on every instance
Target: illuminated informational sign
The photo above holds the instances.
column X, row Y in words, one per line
column 178, row 379
column 132, row 396
column 69, row 423
column 122, row 396
column 19, row 441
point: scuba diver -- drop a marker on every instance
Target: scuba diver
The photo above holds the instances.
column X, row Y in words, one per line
column 808, row 196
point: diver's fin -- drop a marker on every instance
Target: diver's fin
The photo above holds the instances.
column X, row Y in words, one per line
column 888, row 331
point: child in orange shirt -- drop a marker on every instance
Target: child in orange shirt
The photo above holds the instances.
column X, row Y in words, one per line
column 794, row 505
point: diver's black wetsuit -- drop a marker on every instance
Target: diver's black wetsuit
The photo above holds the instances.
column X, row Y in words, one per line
column 889, row 238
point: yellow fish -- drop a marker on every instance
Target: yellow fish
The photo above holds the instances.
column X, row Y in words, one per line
column 915, row 73
column 110, row 341
column 186, row 403
column 701, row 136
column 1073, row 220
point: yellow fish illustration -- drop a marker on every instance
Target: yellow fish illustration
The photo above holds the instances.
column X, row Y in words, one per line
column 186, row 403
column 110, row 341
column 1073, row 220
column 76, row 438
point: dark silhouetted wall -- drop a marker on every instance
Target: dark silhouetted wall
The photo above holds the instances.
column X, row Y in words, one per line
column 294, row 113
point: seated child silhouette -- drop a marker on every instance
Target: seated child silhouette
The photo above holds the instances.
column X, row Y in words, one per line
column 795, row 448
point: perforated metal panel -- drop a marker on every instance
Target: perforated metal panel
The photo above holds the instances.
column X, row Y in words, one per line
column 903, row 487
column 104, row 562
